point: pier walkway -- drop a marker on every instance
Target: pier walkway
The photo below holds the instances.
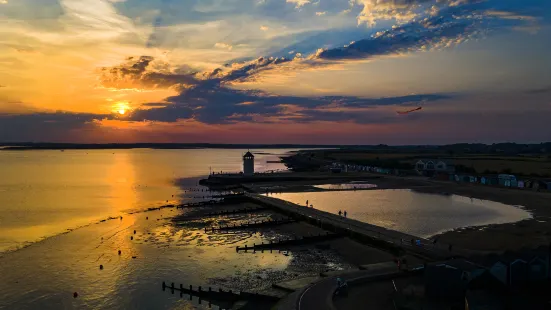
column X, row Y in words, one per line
column 363, row 231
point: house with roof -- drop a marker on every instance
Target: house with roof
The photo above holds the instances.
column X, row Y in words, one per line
column 507, row 180
column 432, row 167
column 516, row 269
column 450, row 279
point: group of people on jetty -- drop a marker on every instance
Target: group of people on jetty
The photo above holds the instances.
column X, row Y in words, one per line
column 341, row 213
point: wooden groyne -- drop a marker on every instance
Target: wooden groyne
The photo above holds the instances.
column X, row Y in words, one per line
column 248, row 225
column 393, row 241
column 217, row 294
column 238, row 211
column 199, row 204
column 289, row 242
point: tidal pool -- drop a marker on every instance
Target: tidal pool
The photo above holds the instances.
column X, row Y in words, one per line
column 418, row 214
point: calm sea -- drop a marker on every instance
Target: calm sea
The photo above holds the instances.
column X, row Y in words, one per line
column 44, row 193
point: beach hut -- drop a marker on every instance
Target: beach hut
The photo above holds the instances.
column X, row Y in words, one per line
column 537, row 269
column 483, row 180
column 507, row 180
column 492, row 181
column 450, row 279
column 499, row 270
column 537, row 185
column 517, row 274
column 520, row 184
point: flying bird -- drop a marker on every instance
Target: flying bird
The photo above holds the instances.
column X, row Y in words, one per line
column 409, row 111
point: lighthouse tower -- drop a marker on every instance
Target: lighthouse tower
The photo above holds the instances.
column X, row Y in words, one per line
column 248, row 164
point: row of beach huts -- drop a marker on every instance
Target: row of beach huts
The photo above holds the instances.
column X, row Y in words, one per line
column 505, row 180
column 445, row 170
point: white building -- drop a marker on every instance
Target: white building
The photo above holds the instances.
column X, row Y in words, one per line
column 248, row 164
column 431, row 166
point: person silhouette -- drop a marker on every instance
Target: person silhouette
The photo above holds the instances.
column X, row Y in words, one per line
column 340, row 212
column 344, row 213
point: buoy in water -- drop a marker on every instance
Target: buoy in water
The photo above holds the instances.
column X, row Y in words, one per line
column 131, row 238
column 134, row 232
column 100, row 267
column 147, row 218
column 75, row 295
column 119, row 252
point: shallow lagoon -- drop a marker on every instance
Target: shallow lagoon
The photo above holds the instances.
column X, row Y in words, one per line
column 415, row 213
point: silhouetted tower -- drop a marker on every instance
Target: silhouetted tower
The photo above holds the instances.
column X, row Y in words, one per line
column 248, row 164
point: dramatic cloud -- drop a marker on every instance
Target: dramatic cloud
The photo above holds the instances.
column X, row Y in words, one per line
column 140, row 73
column 299, row 3
column 201, row 58
column 209, row 99
column 208, row 96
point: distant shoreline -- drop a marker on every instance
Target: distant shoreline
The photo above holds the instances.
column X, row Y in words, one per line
column 162, row 146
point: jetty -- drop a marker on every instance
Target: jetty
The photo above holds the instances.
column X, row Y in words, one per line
column 380, row 237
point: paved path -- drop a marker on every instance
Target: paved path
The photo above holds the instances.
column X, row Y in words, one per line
column 436, row 251
column 319, row 295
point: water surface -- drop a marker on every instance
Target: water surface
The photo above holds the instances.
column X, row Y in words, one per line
column 411, row 212
column 44, row 193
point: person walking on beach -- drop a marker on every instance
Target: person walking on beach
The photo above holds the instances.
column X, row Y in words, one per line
column 340, row 213
column 344, row 213
column 307, row 202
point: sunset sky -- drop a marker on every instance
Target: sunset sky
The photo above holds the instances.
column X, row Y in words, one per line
column 275, row 71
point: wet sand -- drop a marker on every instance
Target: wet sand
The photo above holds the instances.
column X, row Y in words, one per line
column 169, row 245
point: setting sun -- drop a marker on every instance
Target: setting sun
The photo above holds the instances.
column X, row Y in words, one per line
column 121, row 108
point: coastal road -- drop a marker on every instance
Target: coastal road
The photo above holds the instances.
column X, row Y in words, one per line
column 319, row 296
